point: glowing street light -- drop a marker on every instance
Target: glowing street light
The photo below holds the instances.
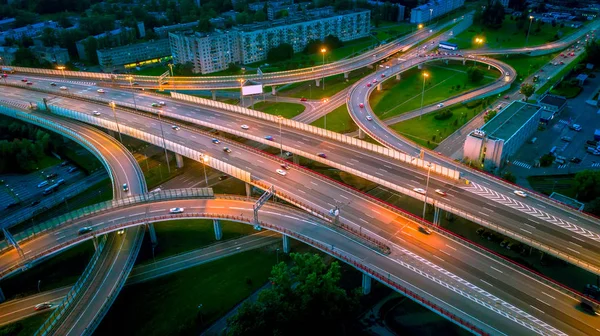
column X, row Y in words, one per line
column 205, row 160
column 62, row 69
column 323, row 51
column 130, row 78
column 113, row 105
column 528, row 29
column 425, row 75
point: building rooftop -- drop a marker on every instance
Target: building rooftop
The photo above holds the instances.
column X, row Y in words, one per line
column 553, row 100
column 505, row 124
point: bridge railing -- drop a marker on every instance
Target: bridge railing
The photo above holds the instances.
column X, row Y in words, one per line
column 66, row 304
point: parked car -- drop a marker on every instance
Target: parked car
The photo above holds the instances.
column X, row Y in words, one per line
column 223, row 177
column 576, row 127
column 575, row 160
column 566, row 138
column 72, row 169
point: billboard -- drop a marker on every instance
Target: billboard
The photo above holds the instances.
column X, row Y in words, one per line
column 252, row 89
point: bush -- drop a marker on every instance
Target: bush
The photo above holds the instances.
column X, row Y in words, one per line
column 489, row 115
column 473, row 104
column 443, row 115
column 546, row 160
column 282, row 52
column 11, row 329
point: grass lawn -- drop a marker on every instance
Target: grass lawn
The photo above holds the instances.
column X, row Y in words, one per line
column 333, row 85
column 25, row 327
column 429, row 132
column 338, row 120
column 169, row 305
column 509, row 36
column 563, row 184
column 184, row 235
column 525, row 65
column 160, row 69
column 159, row 172
column 286, row 110
column 405, row 95
column 392, row 30
column 568, row 91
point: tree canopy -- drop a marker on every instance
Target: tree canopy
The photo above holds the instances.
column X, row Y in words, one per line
column 474, row 74
column 527, row 90
column 491, row 16
column 587, row 185
column 282, row 52
column 305, row 299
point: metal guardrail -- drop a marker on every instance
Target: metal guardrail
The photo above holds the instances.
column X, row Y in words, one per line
column 66, row 304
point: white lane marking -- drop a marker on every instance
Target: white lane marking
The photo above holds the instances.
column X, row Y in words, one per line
column 542, row 301
column 485, row 282
column 549, row 295
column 541, row 311
column 344, row 196
column 575, row 244
column 483, row 213
column 575, row 219
column 239, row 208
column 439, row 258
column 495, row 269
column 525, row 230
column 568, row 248
column 578, row 239
column 451, row 247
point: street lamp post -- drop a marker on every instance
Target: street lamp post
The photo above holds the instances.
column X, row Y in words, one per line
column 62, row 69
column 205, row 160
column 528, row 29
column 310, row 91
column 430, row 14
column 426, row 188
column 164, row 143
column 280, row 119
column 170, row 65
column 323, row 51
column 325, row 100
column 113, row 105
column 241, row 93
column 425, row 75
column 130, row 78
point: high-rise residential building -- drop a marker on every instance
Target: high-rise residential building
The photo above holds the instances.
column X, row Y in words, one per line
column 433, row 9
column 250, row 43
column 134, row 54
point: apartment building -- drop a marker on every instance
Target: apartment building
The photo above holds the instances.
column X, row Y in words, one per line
column 112, row 38
column 163, row 32
column 7, row 55
column 31, row 30
column 134, row 53
column 250, row 43
column 431, row 10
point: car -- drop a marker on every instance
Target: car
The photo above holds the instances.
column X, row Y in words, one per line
column 440, row 192
column 29, row 83
column 155, row 105
column 12, row 204
column 125, row 187
column 85, row 229
column 42, row 306
column 589, row 308
column 424, row 230
column 285, row 166
column 226, row 150
column 281, row 172
column 268, row 137
column 36, row 202
column 96, row 113
column 60, row 182
column 24, row 80
column 322, row 155
column 4, row 75
column 223, row 177
column 440, row 105
column 361, row 105
column 100, row 91
column 375, row 80
column 369, row 118
column 576, row 127
column 53, row 84
column 561, row 63
column 215, row 141
column 64, row 163
column 506, row 97
column 42, row 184
column 245, row 127
column 51, row 176
column 175, row 128
column 566, row 138
column 63, row 88
column 419, row 190
column 120, row 232
column 369, row 85
column 520, row 193
column 382, row 75
column 134, row 83
column 161, row 103
column 575, row 160
column 72, row 169
column 176, row 210
column 303, row 99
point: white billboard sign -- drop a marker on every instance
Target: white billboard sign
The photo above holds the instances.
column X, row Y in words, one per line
column 252, row 89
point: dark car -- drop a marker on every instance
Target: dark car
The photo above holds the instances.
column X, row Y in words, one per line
column 322, row 155
column 85, row 230
column 575, row 160
column 36, row 202
column 12, row 205
column 223, row 177
column 51, row 176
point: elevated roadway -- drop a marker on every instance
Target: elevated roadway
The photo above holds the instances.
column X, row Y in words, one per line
column 362, row 211
column 488, row 200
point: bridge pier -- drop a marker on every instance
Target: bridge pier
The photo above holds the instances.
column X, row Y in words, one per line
column 248, row 190
column 379, row 87
column 214, row 94
column 346, row 75
column 218, row 230
column 152, row 233
column 286, row 244
column 361, row 134
column 273, row 90
column 2, row 297
column 366, row 284
column 296, row 159
column 95, row 242
column 464, row 61
column 179, row 160
column 398, row 77
column 317, row 82
column 436, row 216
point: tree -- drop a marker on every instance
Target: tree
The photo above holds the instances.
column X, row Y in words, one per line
column 489, row 115
column 282, row 52
column 518, row 5
column 592, row 51
column 510, row 177
column 313, row 46
column 204, row 24
column 242, row 18
column 306, row 291
column 546, row 160
column 91, row 46
column 332, row 42
column 527, row 90
column 587, row 185
column 474, row 74
column 492, row 16
column 593, row 207
column 49, row 38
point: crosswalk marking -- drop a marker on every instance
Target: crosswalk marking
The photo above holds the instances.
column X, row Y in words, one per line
column 521, row 164
column 512, row 203
column 562, row 121
column 563, row 166
column 595, row 165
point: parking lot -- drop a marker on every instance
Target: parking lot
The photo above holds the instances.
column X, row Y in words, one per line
column 576, row 112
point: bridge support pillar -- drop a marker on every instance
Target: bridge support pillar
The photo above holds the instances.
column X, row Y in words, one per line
column 366, row 284
column 273, row 90
column 152, row 233
column 420, row 66
column 398, row 77
column 361, row 134
column 346, row 75
column 95, row 241
column 214, row 94
column 248, row 190
column 489, row 67
column 218, row 231
column 179, row 160
column 437, row 215
column 370, row 66
column 286, row 244
column 379, row 87
column 317, row 82
column 464, row 61
column 2, row 297
column 296, row 159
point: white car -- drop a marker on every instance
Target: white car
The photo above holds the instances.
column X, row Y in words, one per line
column 100, row 91
column 175, row 210
column 96, row 113
column 63, row 88
column 419, row 190
column 120, row 232
column 281, row 172
column 245, row 127
column 440, row 192
column 161, row 103
column 440, row 105
column 369, row 118
column 520, row 193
